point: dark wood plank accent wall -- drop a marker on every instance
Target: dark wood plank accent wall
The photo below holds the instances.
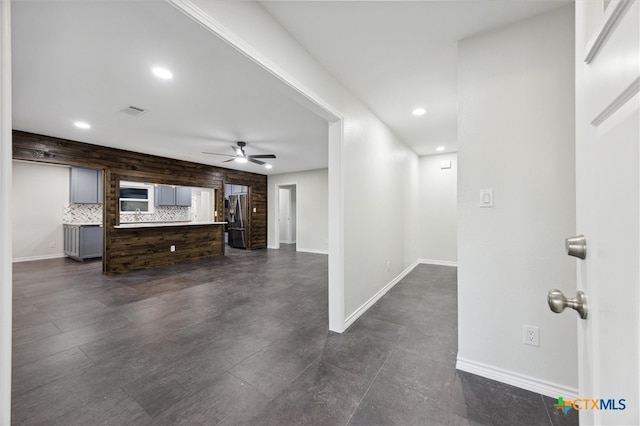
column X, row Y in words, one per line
column 131, row 249
column 142, row 248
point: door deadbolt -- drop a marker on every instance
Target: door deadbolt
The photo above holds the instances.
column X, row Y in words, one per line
column 557, row 302
column 576, row 246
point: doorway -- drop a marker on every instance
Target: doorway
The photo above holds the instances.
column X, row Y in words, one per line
column 286, row 225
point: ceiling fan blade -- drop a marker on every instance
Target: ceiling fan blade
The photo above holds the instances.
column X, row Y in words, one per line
column 231, row 159
column 216, row 153
column 253, row 160
column 263, row 156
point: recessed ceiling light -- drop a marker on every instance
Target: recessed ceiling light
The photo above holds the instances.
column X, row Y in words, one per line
column 440, row 148
column 419, row 111
column 268, row 166
column 241, row 160
column 162, row 73
column 82, row 125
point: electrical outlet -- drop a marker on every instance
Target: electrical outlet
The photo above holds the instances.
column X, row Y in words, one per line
column 531, row 335
column 52, row 244
column 388, row 265
column 173, row 248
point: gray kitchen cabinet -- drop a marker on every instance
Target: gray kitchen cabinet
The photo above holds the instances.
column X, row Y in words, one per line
column 173, row 196
column 165, row 195
column 85, row 186
column 183, row 196
column 82, row 241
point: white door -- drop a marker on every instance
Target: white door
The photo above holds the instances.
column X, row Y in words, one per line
column 284, row 215
column 608, row 208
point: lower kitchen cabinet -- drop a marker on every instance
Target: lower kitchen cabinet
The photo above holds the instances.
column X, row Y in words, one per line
column 83, row 241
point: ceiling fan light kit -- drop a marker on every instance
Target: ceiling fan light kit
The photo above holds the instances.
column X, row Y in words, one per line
column 242, row 157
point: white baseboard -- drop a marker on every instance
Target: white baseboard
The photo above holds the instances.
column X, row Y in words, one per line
column 553, row 390
column 369, row 303
column 306, row 250
column 41, row 257
column 437, row 262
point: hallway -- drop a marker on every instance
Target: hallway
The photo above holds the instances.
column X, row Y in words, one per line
column 243, row 340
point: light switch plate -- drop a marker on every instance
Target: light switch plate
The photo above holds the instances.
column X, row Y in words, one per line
column 486, row 198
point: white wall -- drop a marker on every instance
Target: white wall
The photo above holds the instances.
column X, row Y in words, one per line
column 438, row 209
column 6, row 286
column 40, row 192
column 311, row 188
column 367, row 161
column 379, row 234
column 516, row 135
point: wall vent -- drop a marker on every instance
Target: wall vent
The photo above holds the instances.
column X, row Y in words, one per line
column 132, row 110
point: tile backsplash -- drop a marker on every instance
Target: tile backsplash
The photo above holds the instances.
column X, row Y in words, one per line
column 160, row 214
column 92, row 213
column 82, row 213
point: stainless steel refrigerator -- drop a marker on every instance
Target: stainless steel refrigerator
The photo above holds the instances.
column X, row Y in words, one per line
column 237, row 212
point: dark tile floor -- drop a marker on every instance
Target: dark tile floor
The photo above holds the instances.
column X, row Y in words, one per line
column 243, row 340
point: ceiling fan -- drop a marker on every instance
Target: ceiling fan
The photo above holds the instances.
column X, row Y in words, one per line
column 241, row 156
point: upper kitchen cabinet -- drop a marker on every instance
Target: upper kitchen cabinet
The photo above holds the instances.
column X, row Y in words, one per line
column 85, row 186
column 183, row 196
column 167, row 195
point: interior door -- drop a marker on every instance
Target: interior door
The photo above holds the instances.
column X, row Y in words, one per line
column 608, row 213
column 285, row 215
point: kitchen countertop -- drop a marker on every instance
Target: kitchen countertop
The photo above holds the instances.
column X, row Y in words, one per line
column 82, row 224
column 130, row 225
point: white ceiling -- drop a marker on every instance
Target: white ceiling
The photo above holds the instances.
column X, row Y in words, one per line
column 399, row 55
column 89, row 60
